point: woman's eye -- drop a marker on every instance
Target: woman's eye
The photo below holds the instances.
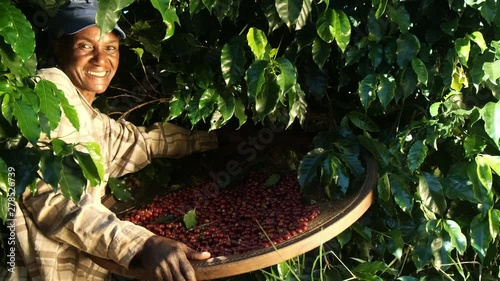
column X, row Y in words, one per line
column 85, row 46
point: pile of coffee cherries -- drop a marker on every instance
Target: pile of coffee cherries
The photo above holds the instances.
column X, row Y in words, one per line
column 246, row 217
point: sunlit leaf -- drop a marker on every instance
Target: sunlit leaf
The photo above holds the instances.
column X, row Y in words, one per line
column 458, row 239
column 478, row 38
column 381, row 7
column 430, row 191
column 226, row 106
column 494, row 220
column 416, row 155
column 287, row 77
column 49, row 102
column 27, row 120
column 68, row 109
column 258, row 43
column 16, row 31
column 462, row 47
column 109, row 13
column 491, row 114
column 386, row 89
column 492, row 69
column 239, row 111
column 267, row 99
column 484, row 172
column 325, row 25
column 305, row 14
column 342, row 29
column 190, row 219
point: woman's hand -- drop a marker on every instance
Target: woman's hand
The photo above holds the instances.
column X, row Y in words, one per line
column 168, row 260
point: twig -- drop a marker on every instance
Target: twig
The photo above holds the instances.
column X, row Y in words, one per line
column 160, row 100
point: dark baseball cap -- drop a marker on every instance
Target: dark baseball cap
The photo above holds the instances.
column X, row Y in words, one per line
column 75, row 17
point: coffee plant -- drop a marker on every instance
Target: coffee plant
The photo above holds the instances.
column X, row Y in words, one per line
column 414, row 83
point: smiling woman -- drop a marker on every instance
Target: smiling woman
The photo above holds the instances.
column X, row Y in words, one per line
column 88, row 61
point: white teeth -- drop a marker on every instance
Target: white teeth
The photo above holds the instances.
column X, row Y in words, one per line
column 99, row 74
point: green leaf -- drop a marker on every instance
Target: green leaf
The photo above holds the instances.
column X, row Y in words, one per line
column 16, row 30
column 4, row 209
column 494, row 220
column 378, row 149
column 273, row 18
column 481, row 193
column 484, row 172
column 493, row 162
column 396, row 244
column 190, row 219
column 298, row 108
column 233, row 60
column 474, row 144
column 462, row 47
column 386, row 90
column 376, row 54
column 88, row 168
column 430, row 191
column 408, row 47
column 492, row 70
column 491, row 114
column 320, row 51
column 27, row 120
column 407, row 83
column 325, row 25
column 94, row 150
column 72, row 182
column 207, row 103
column 400, row 16
column 441, row 247
column 109, row 13
column 267, row 99
column 366, row 90
column 308, row 168
column 239, row 112
column 456, row 184
column 480, row 235
column 289, row 10
column 401, row 192
column 384, row 188
column 226, row 106
column 49, row 102
column 416, row 155
column 381, row 7
column 166, row 219
column 257, row 41
column 68, row 109
column 458, row 239
column 14, row 62
column 420, row 69
column 176, row 105
column 287, row 77
column 272, row 180
column 305, row 14
column 478, row 38
column 4, row 177
column 255, row 77
column 362, row 121
column 209, row 4
column 342, row 29
column 120, row 189
column 51, row 166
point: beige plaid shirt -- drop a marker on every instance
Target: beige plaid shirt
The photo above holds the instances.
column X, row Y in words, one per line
column 55, row 235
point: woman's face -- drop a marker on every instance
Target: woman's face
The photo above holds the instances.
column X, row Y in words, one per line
column 89, row 62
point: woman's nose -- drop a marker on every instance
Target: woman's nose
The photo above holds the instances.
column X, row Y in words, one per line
column 99, row 56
